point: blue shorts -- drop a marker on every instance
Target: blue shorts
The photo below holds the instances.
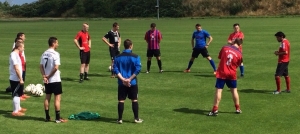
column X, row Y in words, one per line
column 221, row 82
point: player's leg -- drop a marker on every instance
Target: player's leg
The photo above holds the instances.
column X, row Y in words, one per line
column 112, row 56
column 82, row 65
column 242, row 65
column 205, row 54
column 149, row 58
column 86, row 68
column 195, row 54
column 16, row 98
column 133, row 95
column 279, row 72
column 157, row 55
column 57, row 90
column 24, row 96
column 122, row 94
column 218, row 94
column 20, row 91
column 232, row 84
column 48, row 92
column 287, row 78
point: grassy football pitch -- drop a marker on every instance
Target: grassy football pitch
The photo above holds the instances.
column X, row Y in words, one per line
column 171, row 102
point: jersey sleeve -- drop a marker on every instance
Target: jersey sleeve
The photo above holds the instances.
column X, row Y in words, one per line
column 207, row 35
column 193, row 35
column 107, row 35
column 159, row 35
column 220, row 53
column 146, row 36
column 57, row 59
column 78, row 36
column 119, row 34
column 138, row 65
column 115, row 67
column 14, row 58
column 242, row 35
column 229, row 38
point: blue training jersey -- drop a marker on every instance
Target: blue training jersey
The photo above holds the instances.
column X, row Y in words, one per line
column 200, row 38
column 127, row 63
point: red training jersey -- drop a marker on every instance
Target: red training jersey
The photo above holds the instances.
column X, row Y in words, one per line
column 284, row 47
column 83, row 39
column 230, row 59
column 153, row 39
column 22, row 60
column 236, row 35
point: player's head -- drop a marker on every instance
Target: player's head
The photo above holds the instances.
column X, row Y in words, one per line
column 153, row 26
column 128, row 44
column 116, row 26
column 238, row 41
column 280, row 36
column 19, row 46
column 236, row 27
column 85, row 27
column 21, row 35
column 198, row 27
column 53, row 42
column 18, row 40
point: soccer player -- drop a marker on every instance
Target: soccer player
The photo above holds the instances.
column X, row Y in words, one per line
column 127, row 66
column 153, row 38
column 200, row 47
column 283, row 61
column 113, row 39
column 237, row 34
column 230, row 59
column 83, row 42
column 15, row 78
column 49, row 64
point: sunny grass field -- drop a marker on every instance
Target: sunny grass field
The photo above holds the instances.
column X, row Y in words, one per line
column 172, row 102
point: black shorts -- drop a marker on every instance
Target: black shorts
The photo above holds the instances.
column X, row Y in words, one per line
column 17, row 89
column 113, row 52
column 54, row 88
column 282, row 69
column 153, row 52
column 85, row 57
column 130, row 92
column 202, row 51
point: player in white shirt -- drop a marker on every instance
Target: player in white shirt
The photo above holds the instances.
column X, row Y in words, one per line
column 49, row 64
column 15, row 78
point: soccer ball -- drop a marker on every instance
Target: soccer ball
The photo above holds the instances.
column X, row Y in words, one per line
column 28, row 88
column 39, row 93
column 109, row 68
column 39, row 87
column 33, row 90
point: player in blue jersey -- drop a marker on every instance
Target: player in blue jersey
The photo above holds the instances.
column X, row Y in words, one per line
column 200, row 47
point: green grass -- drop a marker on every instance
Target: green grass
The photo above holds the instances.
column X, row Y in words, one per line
column 172, row 102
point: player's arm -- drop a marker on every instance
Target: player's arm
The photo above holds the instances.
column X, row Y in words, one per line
column 19, row 74
column 229, row 40
column 104, row 39
column 77, row 44
column 159, row 37
column 119, row 42
column 90, row 43
column 52, row 71
column 281, row 53
column 209, row 40
column 192, row 42
column 43, row 73
column 146, row 37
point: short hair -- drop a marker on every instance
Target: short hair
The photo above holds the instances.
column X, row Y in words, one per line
column 236, row 24
column 115, row 24
column 17, row 45
column 238, row 41
column 280, row 34
column 127, row 43
column 86, row 23
column 17, row 39
column 52, row 40
column 198, row 25
column 19, row 34
column 152, row 25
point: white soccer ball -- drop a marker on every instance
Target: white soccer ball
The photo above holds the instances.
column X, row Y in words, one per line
column 27, row 89
column 33, row 90
column 39, row 87
column 39, row 93
column 109, row 68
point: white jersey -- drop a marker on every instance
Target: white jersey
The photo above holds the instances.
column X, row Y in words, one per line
column 49, row 59
column 23, row 53
column 14, row 59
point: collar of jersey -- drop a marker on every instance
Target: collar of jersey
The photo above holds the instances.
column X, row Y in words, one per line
column 127, row 51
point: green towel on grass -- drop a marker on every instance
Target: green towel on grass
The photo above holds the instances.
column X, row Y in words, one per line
column 84, row 116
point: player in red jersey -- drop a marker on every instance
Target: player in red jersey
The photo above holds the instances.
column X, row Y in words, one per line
column 237, row 34
column 230, row 59
column 283, row 61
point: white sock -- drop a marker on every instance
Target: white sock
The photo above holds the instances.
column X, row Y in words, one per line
column 16, row 103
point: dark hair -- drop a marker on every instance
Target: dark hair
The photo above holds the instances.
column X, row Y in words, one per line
column 115, row 24
column 86, row 23
column 18, row 38
column 19, row 34
column 238, row 41
column 280, row 34
column 198, row 25
column 17, row 45
column 127, row 43
column 236, row 24
column 152, row 25
column 52, row 40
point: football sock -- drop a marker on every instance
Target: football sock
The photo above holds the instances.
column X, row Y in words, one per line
column 215, row 108
column 81, row 75
column 16, row 101
column 85, row 74
column 190, row 65
column 242, row 69
column 120, row 110
column 148, row 65
column 212, row 63
column 159, row 64
column 277, row 78
column 135, row 109
column 57, row 115
column 287, row 82
column 47, row 114
column 237, row 106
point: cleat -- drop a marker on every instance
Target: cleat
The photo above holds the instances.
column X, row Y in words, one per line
column 22, row 99
column 81, row 80
column 287, row 91
column 215, row 113
column 160, row 71
column 25, row 96
column 119, row 121
column 239, row 111
column 187, row 70
column 87, row 78
column 23, row 110
column 17, row 114
column 47, row 120
column 147, row 72
column 61, row 120
column 138, row 120
column 242, row 75
column 276, row 92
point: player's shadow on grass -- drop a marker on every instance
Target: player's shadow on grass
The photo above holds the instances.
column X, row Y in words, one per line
column 5, row 112
column 173, row 71
column 197, row 111
column 4, row 92
column 255, row 91
column 69, row 79
column 99, row 75
column 8, row 115
column 105, row 119
column 205, row 75
column 6, row 97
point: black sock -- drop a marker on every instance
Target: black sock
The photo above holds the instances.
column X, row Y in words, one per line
column 159, row 64
column 135, row 109
column 57, row 115
column 81, row 76
column 148, row 65
column 85, row 74
column 47, row 114
column 120, row 110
